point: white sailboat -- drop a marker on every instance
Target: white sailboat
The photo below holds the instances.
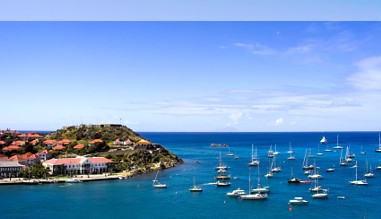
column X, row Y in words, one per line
column 368, row 172
column 270, row 153
column 316, row 187
column 254, row 157
column 253, row 196
column 291, row 152
column 362, row 152
column 322, row 194
column 230, row 154
column 305, row 165
column 275, row 168
column 357, row 181
column 337, row 144
column 195, row 188
column 260, row 188
column 323, row 140
column 269, row 174
column 315, row 174
column 379, row 144
column 157, row 184
column 275, row 151
column 342, row 161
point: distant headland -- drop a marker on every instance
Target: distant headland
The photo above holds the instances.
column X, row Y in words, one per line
column 82, row 151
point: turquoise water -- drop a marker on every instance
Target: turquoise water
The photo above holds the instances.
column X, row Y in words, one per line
column 135, row 198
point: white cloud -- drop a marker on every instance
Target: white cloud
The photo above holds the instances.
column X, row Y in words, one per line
column 256, row 48
column 279, row 121
column 368, row 76
column 236, row 116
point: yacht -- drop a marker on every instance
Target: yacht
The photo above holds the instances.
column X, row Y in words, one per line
column 297, row 201
column 236, row 193
column 255, row 196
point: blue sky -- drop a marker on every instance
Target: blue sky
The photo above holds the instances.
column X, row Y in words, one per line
column 191, row 10
column 192, row 76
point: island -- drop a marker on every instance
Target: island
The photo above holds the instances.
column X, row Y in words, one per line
column 79, row 153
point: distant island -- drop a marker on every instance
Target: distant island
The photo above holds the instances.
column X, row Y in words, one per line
column 81, row 150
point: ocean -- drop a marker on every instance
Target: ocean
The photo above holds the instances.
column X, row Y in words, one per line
column 135, row 197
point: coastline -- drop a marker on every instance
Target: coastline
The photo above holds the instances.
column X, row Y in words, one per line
column 82, row 178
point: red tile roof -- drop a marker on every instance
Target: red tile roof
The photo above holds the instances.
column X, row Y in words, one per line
column 79, row 146
column 71, row 161
column 49, row 141
column 99, row 160
column 65, row 141
column 96, row 141
column 58, row 148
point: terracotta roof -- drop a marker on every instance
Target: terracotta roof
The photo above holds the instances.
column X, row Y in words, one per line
column 22, row 136
column 99, row 160
column 58, row 148
column 72, row 161
column 49, row 141
column 34, row 135
column 12, row 147
column 79, row 146
column 65, row 141
column 2, row 142
column 96, row 141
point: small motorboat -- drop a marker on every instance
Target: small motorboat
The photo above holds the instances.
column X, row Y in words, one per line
column 298, row 201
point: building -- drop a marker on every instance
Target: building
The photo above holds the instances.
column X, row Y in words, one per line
column 78, row 165
column 10, row 168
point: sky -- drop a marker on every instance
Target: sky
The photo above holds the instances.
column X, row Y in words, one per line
column 191, row 10
column 191, row 65
column 192, row 76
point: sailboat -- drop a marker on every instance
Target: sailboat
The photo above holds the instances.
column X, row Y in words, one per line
column 293, row 179
column 157, row 184
column 275, row 168
column 321, row 194
column 342, row 161
column 270, row 153
column 222, row 177
column 195, row 188
column 291, row 152
column 337, row 144
column 368, row 172
column 316, row 187
column 379, row 144
column 253, row 196
column 323, row 140
column 260, row 189
column 230, row 154
column 357, row 181
column 319, row 153
column 315, row 175
column 269, row 174
column 362, row 152
column 305, row 162
column 254, row 157
column 275, row 151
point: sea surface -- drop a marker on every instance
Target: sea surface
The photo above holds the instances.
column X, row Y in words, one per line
column 135, row 197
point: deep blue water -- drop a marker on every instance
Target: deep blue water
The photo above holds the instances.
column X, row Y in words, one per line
column 135, row 198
